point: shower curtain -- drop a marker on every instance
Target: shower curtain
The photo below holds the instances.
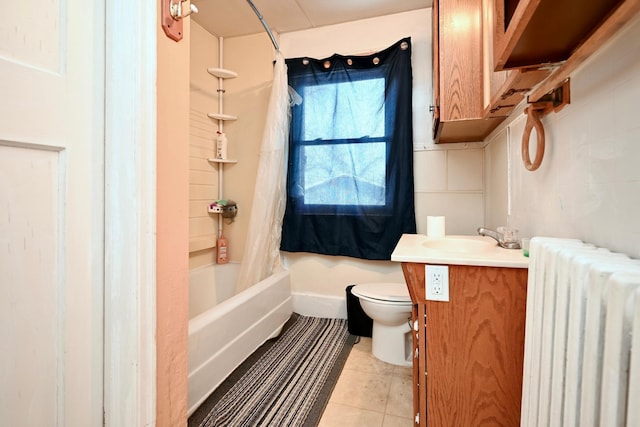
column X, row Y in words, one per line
column 262, row 248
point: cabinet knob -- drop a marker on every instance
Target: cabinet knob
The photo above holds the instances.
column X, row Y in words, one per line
column 432, row 108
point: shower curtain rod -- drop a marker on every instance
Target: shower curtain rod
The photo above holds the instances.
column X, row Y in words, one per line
column 264, row 24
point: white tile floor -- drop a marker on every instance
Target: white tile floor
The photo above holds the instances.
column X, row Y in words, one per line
column 370, row 393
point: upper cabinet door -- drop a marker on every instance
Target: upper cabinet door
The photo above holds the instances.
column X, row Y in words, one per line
column 435, row 63
column 534, row 33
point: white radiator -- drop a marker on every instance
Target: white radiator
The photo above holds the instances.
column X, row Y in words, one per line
column 582, row 341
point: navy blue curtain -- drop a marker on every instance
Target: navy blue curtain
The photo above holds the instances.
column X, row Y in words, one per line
column 350, row 175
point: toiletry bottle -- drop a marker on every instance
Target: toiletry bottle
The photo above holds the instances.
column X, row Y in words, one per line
column 223, row 247
column 221, row 145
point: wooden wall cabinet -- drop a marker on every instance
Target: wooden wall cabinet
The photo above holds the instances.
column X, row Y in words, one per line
column 504, row 90
column 532, row 33
column 458, row 85
column 489, row 54
column 468, row 352
column 540, row 33
column 470, row 98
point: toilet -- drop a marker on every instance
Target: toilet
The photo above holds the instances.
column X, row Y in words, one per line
column 389, row 305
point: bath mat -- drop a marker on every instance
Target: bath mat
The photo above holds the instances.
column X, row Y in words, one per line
column 290, row 384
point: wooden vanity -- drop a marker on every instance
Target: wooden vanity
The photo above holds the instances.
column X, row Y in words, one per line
column 468, row 352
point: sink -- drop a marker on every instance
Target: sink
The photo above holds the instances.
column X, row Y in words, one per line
column 458, row 244
column 456, row 250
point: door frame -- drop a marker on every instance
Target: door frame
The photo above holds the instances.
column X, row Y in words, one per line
column 130, row 213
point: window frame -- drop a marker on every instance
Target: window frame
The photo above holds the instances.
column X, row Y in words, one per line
column 297, row 145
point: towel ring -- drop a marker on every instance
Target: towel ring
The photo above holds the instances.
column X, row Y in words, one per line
column 533, row 121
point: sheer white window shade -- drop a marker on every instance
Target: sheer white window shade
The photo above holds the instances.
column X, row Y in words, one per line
column 354, row 109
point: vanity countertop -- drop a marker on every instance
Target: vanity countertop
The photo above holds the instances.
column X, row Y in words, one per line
column 457, row 250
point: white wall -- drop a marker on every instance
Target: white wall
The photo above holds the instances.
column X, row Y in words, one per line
column 495, row 180
column 448, row 180
column 588, row 186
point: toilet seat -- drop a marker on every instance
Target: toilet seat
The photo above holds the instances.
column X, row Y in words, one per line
column 388, row 293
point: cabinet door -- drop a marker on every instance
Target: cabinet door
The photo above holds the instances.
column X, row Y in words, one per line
column 475, row 348
column 493, row 80
column 414, row 276
column 460, row 60
column 419, row 366
column 503, row 90
column 458, row 84
column 422, row 365
column 435, row 55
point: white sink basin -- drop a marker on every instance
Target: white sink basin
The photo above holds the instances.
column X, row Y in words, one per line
column 459, row 245
column 457, row 250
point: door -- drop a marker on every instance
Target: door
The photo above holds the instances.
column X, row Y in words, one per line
column 51, row 213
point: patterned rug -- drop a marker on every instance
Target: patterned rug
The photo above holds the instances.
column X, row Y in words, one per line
column 290, row 384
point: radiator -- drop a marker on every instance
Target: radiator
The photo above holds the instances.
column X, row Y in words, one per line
column 582, row 339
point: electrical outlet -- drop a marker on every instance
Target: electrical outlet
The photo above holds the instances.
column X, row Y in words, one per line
column 437, row 282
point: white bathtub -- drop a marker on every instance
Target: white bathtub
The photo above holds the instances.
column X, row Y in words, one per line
column 224, row 330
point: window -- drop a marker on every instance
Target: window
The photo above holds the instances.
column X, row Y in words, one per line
column 350, row 176
column 342, row 152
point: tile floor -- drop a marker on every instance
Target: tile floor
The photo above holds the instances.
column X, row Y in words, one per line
column 370, row 393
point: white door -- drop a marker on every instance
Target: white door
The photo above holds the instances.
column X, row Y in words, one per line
column 51, row 213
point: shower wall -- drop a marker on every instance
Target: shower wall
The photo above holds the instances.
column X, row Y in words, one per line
column 246, row 97
column 203, row 179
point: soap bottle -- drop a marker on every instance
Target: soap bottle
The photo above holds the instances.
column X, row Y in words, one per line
column 223, row 247
column 221, row 145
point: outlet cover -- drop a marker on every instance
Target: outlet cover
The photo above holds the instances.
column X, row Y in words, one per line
column 436, row 282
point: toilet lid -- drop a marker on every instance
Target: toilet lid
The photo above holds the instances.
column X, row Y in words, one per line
column 383, row 291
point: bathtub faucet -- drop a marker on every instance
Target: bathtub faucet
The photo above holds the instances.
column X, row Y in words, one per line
column 504, row 241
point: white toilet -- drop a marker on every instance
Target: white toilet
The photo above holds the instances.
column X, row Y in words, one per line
column 389, row 305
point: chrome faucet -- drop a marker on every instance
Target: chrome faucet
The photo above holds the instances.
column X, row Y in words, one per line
column 500, row 238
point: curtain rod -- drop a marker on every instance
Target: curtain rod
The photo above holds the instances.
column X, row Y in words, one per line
column 264, row 24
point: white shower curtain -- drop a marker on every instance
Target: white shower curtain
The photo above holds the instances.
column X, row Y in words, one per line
column 262, row 247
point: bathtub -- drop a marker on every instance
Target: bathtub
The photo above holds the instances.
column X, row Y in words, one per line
column 224, row 329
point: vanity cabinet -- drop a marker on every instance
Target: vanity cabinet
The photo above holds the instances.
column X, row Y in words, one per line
column 468, row 352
